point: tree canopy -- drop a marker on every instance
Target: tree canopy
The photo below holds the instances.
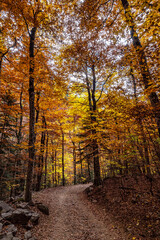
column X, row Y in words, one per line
column 79, row 90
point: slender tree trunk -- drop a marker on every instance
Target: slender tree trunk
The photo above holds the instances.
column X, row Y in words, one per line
column 89, row 91
column 63, row 178
column 89, row 171
column 41, row 156
column 97, row 175
column 53, row 162
column 80, row 159
column 0, row 69
column 55, row 168
column 142, row 62
column 136, row 163
column 119, row 151
column 37, row 107
column 20, row 181
column 46, row 157
column 74, row 163
column 37, row 110
column 28, row 192
column 145, row 145
column 93, row 108
column 140, row 123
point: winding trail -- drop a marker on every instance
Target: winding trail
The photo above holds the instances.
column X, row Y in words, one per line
column 73, row 217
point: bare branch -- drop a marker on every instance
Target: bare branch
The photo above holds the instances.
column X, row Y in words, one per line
column 25, row 21
column 103, row 87
column 14, row 44
column 26, row 75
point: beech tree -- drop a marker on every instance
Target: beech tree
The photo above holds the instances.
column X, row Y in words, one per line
column 79, row 91
column 147, row 80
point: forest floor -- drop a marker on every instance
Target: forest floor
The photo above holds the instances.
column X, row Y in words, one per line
column 133, row 202
column 73, row 217
column 122, row 208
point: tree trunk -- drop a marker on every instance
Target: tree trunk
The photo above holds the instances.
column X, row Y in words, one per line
column 20, row 180
column 80, row 159
column 89, row 171
column 140, row 123
column 97, row 176
column 63, row 178
column 119, row 151
column 41, row 157
column 46, row 157
column 36, row 121
column 55, row 168
column 0, row 68
column 28, row 192
column 53, row 162
column 142, row 62
column 74, row 163
column 93, row 108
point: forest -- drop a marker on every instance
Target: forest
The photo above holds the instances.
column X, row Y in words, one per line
column 79, row 91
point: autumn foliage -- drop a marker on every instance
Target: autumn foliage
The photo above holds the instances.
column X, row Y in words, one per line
column 79, row 90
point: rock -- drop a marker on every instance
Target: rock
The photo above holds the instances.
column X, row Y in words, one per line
column 35, row 218
column 31, row 203
column 23, row 205
column 91, row 188
column 1, row 226
column 15, row 238
column 28, row 235
column 44, row 209
column 28, row 226
column 21, row 216
column 7, row 216
column 94, row 201
column 19, row 199
column 11, row 229
column 8, row 236
column 11, row 199
column 4, row 207
column 2, row 235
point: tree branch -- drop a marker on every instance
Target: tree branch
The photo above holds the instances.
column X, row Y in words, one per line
column 14, row 44
column 103, row 87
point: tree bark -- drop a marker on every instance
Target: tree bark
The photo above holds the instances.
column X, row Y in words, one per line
column 37, row 110
column 93, row 108
column 28, row 192
column 142, row 62
column 41, row 156
column 55, row 168
column 140, row 123
column 3, row 53
column 21, row 180
column 63, row 178
column 80, row 159
column 97, row 175
column 74, row 163
column 46, row 157
column 53, row 162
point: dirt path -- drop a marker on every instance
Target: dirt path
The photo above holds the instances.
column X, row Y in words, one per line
column 73, row 217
